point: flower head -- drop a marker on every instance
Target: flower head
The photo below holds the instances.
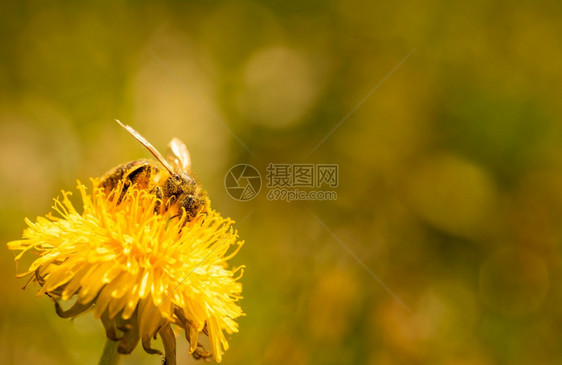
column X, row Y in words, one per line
column 139, row 271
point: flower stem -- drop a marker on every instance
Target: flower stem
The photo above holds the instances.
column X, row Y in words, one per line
column 110, row 356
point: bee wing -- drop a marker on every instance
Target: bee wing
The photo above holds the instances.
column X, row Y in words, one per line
column 178, row 155
column 148, row 146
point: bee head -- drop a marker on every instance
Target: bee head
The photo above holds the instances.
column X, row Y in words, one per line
column 186, row 194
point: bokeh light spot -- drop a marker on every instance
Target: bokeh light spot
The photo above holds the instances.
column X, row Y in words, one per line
column 514, row 282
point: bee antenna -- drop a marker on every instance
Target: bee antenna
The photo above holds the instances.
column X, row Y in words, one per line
column 147, row 145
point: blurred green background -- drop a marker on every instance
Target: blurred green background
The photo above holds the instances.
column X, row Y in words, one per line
column 450, row 173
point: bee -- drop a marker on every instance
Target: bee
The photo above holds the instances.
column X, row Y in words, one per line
column 172, row 182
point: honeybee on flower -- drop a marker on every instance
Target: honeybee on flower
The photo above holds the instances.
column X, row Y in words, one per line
column 146, row 253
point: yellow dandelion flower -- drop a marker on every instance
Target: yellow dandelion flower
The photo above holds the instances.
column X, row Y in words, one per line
column 140, row 272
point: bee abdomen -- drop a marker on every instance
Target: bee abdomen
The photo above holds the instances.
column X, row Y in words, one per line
column 137, row 172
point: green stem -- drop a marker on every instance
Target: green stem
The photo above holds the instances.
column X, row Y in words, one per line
column 110, row 355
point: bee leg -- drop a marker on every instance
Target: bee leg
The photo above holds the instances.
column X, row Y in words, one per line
column 159, row 195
